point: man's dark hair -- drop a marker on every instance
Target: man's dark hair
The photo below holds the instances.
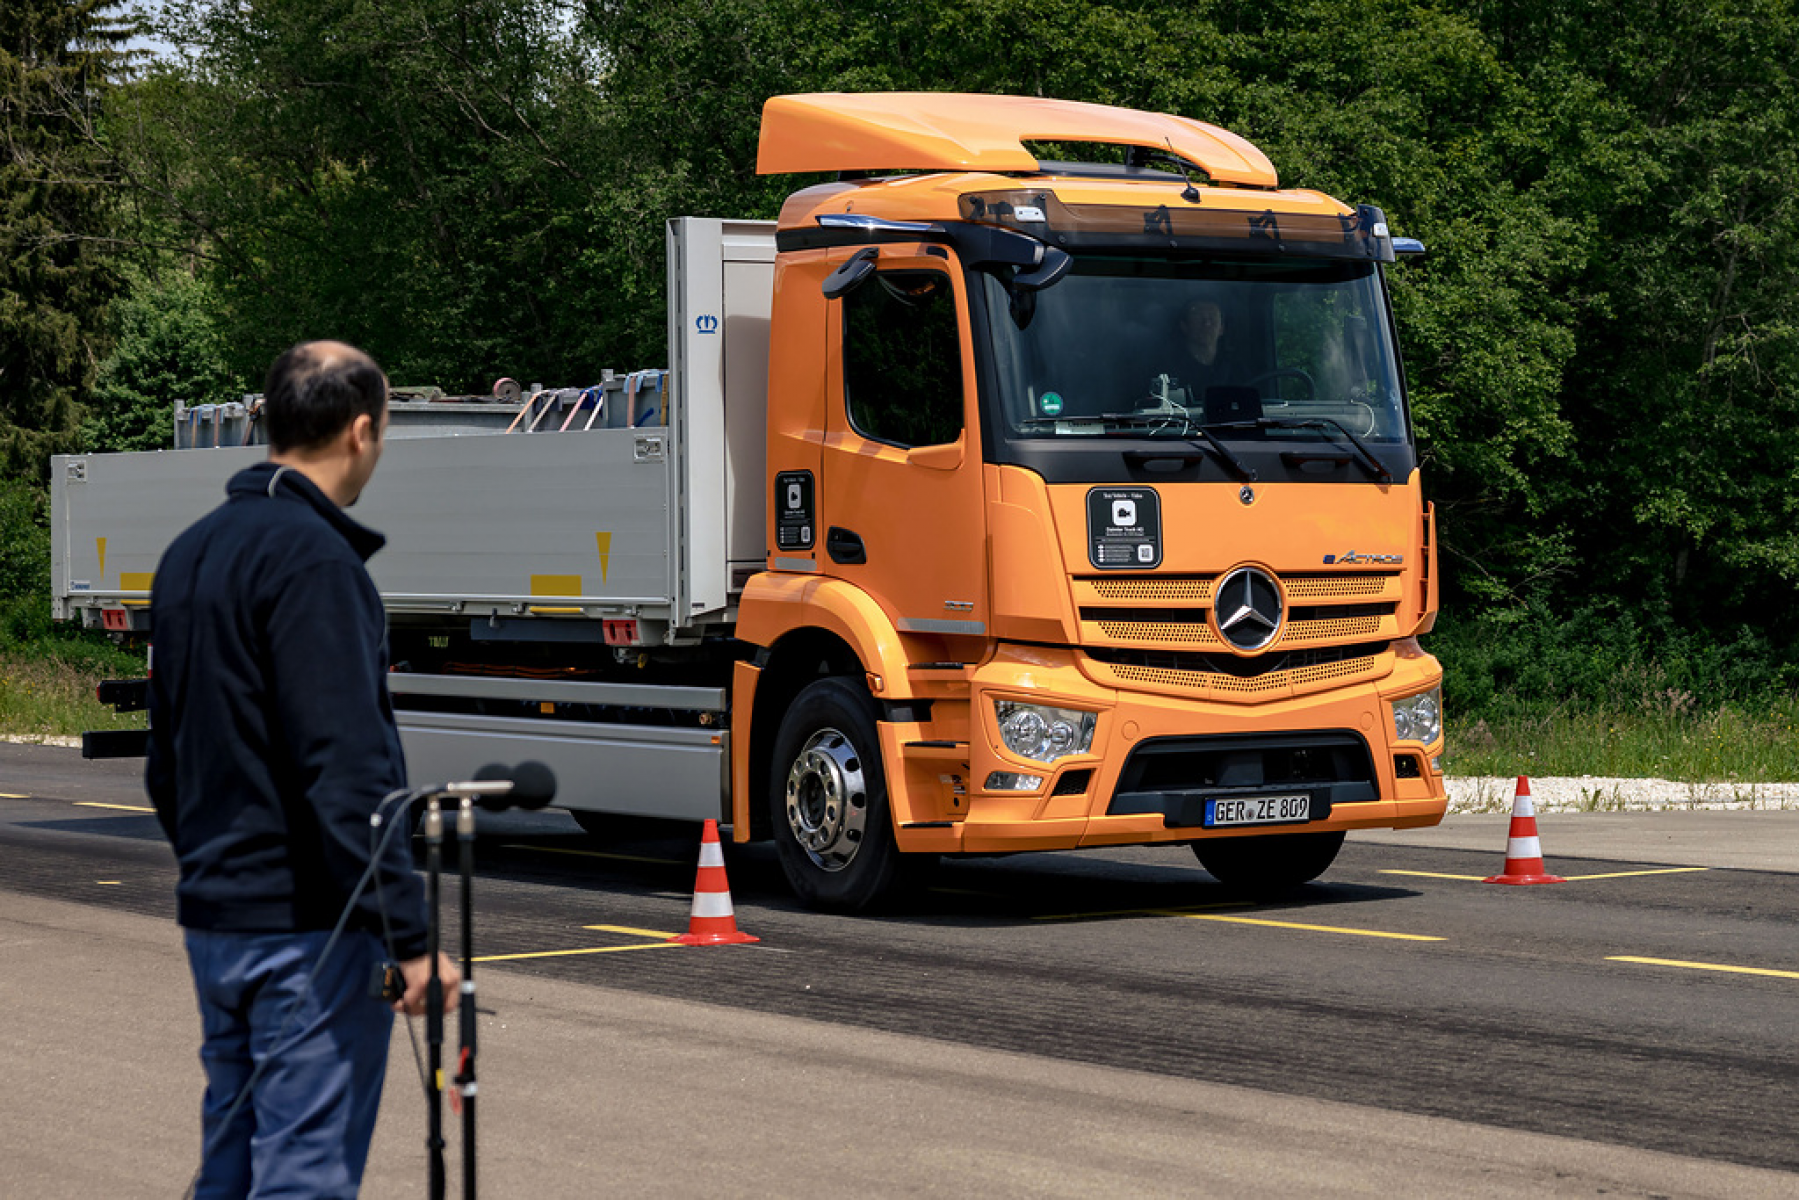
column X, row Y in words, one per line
column 314, row 391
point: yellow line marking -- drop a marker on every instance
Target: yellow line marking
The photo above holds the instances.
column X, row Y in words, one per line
column 109, row 883
column 14, row 796
column 1374, row 933
column 1622, row 874
column 1148, row 912
column 1435, row 875
column 629, row 931
column 587, row 950
column 1703, row 966
column 124, row 807
column 595, row 854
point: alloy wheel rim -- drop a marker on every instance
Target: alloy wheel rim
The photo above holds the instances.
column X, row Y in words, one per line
column 827, row 800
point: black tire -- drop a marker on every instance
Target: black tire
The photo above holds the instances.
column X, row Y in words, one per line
column 827, row 798
column 1268, row 863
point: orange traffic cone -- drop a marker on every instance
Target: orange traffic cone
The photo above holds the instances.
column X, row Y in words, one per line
column 1523, row 853
column 713, row 923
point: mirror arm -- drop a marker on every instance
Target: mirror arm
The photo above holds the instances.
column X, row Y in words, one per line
column 851, row 273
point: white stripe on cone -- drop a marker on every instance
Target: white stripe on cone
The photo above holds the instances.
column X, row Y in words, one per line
column 712, row 904
column 1522, row 807
column 712, row 854
column 1524, row 847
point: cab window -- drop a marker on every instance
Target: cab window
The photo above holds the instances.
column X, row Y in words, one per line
column 902, row 360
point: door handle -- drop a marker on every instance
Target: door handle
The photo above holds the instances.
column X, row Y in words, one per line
column 845, row 547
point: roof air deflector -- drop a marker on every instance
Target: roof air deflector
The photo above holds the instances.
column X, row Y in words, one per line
column 941, row 131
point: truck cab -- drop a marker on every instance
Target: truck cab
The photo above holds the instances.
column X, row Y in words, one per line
column 1094, row 512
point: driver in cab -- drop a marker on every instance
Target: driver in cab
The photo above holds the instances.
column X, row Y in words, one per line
column 1201, row 358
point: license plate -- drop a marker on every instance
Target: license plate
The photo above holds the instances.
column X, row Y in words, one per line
column 1258, row 810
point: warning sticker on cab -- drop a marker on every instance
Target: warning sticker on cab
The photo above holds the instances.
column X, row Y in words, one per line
column 1124, row 528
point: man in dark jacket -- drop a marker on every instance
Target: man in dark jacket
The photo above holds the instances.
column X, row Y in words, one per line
column 272, row 743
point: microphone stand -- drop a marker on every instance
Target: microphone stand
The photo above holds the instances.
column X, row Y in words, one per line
column 463, row 1086
column 434, row 997
column 465, row 1074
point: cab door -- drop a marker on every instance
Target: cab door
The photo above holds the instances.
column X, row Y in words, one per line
column 901, row 502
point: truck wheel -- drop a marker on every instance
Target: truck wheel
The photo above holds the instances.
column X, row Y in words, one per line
column 1268, row 863
column 828, row 800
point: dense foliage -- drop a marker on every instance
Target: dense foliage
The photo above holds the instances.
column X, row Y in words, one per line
column 55, row 278
column 1603, row 344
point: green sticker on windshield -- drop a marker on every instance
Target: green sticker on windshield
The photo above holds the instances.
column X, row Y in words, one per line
column 1050, row 404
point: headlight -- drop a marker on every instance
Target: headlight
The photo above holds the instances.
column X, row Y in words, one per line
column 1043, row 734
column 1419, row 718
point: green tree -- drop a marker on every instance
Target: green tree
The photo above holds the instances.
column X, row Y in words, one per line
column 55, row 221
column 398, row 174
column 166, row 347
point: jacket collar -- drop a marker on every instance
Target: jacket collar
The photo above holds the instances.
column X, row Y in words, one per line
column 284, row 483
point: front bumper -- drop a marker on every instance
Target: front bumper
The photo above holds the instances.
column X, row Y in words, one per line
column 1157, row 758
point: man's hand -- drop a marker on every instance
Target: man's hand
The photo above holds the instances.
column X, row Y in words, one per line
column 417, row 973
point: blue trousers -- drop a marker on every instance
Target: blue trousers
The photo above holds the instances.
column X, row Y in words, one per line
column 304, row 1130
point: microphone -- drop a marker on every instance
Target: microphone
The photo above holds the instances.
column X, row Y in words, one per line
column 532, row 785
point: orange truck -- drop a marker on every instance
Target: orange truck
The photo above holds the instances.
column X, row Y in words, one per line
column 1044, row 481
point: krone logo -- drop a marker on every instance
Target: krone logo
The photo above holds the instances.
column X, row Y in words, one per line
column 1247, row 609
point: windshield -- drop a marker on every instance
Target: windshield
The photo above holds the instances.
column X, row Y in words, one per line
column 1142, row 347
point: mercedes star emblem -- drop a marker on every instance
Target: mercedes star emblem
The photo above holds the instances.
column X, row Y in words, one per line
column 1248, row 609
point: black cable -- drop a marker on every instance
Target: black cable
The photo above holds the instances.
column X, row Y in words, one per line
column 387, row 943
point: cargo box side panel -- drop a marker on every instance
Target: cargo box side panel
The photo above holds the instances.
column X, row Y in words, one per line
column 504, row 523
column 114, row 514
column 519, row 522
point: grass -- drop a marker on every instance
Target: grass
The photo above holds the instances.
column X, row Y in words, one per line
column 47, row 686
column 1666, row 740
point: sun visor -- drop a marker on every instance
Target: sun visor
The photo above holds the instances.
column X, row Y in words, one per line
column 1361, row 234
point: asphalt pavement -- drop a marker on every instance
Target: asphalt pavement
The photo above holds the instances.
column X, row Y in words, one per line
column 1096, row 1024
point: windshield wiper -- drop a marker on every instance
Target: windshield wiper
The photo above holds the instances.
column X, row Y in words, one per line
column 1237, row 466
column 1365, row 456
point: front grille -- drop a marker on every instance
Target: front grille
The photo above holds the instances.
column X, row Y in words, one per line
column 1330, row 631
column 1313, row 623
column 1192, row 633
column 1072, row 783
column 1230, row 664
column 1291, row 673
column 1164, row 587
column 1316, row 587
column 1156, row 632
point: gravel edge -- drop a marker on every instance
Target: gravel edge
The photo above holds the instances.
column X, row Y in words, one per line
column 1605, row 793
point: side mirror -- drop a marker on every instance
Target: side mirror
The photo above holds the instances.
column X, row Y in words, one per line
column 851, row 273
column 946, row 457
column 1055, row 264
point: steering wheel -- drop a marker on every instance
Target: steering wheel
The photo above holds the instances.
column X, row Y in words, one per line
column 1286, row 373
